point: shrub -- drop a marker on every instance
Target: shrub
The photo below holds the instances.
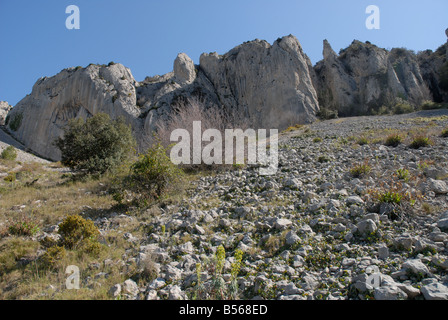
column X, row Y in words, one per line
column 53, row 255
column 15, row 122
column 363, row 141
column 391, row 197
column 11, row 177
column 9, row 153
column 96, row 145
column 430, row 105
column 23, row 227
column 402, row 108
column 151, row 176
column 360, row 170
column 77, row 231
column 444, row 133
column 420, row 142
column 403, row 174
column 317, row 140
column 393, row 140
column 323, row 159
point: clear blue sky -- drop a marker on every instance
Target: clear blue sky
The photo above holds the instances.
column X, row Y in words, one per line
column 147, row 35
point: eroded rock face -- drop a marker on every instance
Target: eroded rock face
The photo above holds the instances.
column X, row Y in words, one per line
column 4, row 109
column 266, row 86
column 39, row 118
column 363, row 78
column 270, row 85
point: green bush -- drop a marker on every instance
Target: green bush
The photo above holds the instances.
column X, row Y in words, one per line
column 402, row 108
column 9, row 153
column 15, row 122
column 11, row 177
column 53, row 256
column 360, row 170
column 430, row 105
column 97, row 145
column 77, row 232
column 420, row 142
column 391, row 197
column 151, row 176
column 317, row 140
column 363, row 141
column 393, row 140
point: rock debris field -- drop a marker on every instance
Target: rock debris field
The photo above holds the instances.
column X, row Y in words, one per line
column 341, row 219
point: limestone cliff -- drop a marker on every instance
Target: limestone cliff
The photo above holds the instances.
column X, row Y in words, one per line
column 364, row 78
column 268, row 86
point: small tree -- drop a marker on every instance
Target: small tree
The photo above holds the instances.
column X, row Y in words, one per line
column 96, row 145
column 9, row 153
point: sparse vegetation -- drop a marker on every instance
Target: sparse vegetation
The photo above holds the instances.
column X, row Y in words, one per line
column 360, row 170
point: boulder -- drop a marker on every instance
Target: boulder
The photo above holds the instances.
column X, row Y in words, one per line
column 4, row 109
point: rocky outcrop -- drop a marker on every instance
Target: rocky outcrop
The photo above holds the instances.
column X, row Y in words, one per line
column 4, row 109
column 270, row 85
column 39, row 118
column 266, row 86
column 363, row 78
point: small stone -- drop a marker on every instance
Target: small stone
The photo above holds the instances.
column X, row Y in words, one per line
column 438, row 186
column 383, row 252
column 115, row 290
column 366, row 227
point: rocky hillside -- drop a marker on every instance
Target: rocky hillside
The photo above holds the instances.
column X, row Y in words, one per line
column 269, row 86
column 347, row 216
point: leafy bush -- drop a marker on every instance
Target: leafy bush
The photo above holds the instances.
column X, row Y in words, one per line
column 151, row 176
column 430, row 105
column 420, row 142
column 391, row 197
column 53, row 255
column 97, row 145
column 393, row 140
column 360, row 170
column 77, row 231
column 9, row 153
column 444, row 133
column 402, row 108
column 317, row 140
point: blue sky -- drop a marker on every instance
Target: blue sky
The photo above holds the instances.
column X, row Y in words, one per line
column 147, row 35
